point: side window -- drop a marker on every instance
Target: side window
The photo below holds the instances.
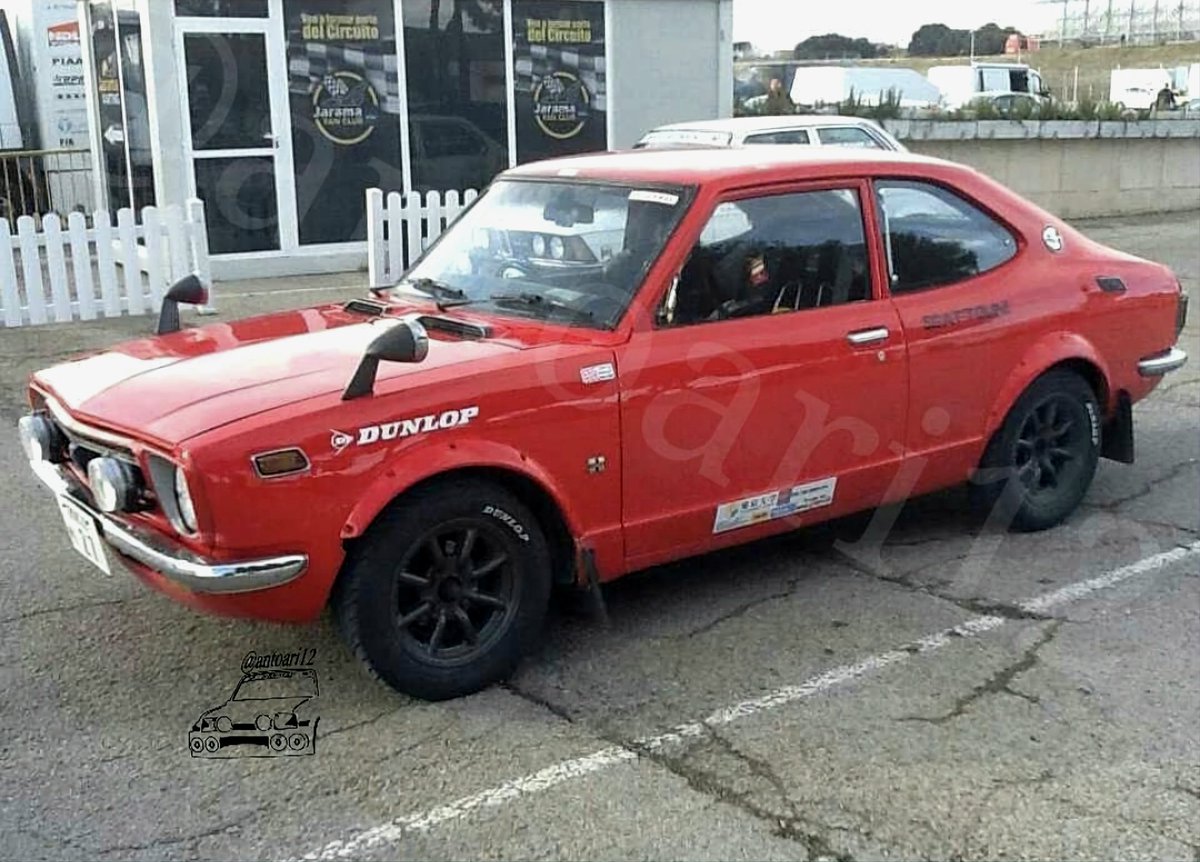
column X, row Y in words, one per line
column 789, row 136
column 933, row 237
column 847, row 137
column 772, row 255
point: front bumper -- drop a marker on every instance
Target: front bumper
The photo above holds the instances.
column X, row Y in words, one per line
column 1162, row 363
column 173, row 562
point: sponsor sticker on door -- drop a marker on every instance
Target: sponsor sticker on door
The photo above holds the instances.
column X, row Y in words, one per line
column 774, row 504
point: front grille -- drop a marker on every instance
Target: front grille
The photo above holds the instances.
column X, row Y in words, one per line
column 84, row 444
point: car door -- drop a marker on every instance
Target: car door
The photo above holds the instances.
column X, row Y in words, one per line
column 773, row 390
column 951, row 285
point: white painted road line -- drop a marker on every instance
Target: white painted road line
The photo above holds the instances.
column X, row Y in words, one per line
column 597, row 761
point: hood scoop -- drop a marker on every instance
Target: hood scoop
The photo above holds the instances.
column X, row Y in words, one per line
column 461, row 328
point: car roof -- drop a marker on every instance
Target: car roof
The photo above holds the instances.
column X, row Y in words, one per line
column 689, row 167
column 756, row 124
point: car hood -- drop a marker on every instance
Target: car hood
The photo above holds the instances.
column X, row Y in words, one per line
column 169, row 388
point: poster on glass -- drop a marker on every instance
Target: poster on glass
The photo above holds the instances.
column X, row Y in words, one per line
column 559, row 60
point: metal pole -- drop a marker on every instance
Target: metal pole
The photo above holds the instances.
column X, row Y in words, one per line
column 1154, row 25
column 1108, row 22
column 1087, row 8
column 1062, row 30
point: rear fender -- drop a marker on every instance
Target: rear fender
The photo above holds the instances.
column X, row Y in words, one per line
column 1052, row 349
column 416, row 465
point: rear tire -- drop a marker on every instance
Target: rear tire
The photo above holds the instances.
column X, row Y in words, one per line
column 1040, row 463
column 447, row 590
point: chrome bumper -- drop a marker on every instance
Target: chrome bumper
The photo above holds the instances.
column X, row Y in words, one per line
column 1162, row 363
column 173, row 562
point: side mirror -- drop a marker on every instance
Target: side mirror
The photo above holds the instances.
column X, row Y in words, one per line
column 190, row 291
column 407, row 341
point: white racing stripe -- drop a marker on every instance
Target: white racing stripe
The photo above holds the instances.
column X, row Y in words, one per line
column 597, row 761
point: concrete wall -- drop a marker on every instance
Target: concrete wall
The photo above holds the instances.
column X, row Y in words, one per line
column 668, row 61
column 1077, row 178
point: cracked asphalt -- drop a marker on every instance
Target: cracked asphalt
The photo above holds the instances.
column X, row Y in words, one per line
column 816, row 696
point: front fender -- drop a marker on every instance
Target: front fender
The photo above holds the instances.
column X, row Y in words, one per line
column 425, row 462
column 1050, row 350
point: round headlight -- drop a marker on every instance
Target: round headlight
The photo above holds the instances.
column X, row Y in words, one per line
column 558, row 249
column 183, row 500
column 114, row 484
column 224, row 724
column 263, row 722
column 539, row 246
column 40, row 439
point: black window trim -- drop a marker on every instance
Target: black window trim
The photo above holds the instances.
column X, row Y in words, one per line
column 1019, row 241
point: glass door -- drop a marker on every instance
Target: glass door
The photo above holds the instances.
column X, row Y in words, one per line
column 236, row 139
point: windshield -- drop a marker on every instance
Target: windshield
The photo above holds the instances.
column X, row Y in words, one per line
column 277, row 684
column 572, row 252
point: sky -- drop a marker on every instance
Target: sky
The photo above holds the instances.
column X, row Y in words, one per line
column 777, row 24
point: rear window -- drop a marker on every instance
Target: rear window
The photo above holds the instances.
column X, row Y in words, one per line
column 847, row 136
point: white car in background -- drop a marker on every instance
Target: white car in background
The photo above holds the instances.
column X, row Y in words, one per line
column 820, row 130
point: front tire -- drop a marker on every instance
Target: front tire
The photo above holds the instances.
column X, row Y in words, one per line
column 447, row 590
column 1040, row 463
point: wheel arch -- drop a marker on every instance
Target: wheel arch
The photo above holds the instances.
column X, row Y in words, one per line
column 1063, row 351
column 516, row 475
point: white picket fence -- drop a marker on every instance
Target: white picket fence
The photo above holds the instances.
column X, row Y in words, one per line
column 401, row 226
column 89, row 268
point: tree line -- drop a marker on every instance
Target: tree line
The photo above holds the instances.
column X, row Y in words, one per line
column 930, row 40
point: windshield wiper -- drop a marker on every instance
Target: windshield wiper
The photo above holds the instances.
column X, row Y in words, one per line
column 444, row 296
column 538, row 301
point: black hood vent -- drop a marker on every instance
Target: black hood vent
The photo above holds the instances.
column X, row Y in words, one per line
column 365, row 306
column 461, row 328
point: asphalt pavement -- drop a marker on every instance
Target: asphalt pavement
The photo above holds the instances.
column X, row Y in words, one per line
column 870, row 689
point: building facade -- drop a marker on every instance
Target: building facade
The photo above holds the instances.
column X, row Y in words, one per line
column 280, row 114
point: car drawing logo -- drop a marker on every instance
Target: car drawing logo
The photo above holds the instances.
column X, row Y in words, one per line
column 269, row 714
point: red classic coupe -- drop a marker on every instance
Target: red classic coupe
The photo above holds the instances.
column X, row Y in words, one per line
column 607, row 363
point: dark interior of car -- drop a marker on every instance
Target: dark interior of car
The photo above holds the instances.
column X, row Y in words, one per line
column 784, row 262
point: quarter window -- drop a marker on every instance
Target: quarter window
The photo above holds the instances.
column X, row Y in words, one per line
column 785, row 136
column 848, row 137
column 933, row 237
column 772, row 255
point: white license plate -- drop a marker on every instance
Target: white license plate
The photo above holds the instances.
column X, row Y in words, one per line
column 84, row 534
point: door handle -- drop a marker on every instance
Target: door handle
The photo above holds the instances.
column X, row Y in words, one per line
column 863, row 337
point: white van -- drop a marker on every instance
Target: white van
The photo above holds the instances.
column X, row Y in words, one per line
column 869, row 85
column 1137, row 88
column 960, row 85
